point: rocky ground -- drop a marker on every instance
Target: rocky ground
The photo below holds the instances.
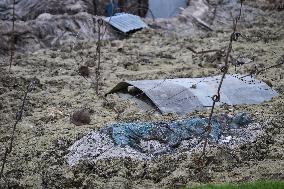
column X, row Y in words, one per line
column 45, row 132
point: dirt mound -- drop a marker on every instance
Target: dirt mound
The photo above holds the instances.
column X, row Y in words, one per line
column 49, row 31
column 31, row 9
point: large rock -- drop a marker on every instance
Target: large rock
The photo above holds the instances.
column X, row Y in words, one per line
column 49, row 31
column 31, row 9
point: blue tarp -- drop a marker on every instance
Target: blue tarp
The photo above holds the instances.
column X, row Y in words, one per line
column 174, row 132
column 147, row 140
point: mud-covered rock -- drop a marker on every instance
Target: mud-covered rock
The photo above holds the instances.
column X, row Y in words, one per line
column 31, row 9
column 49, row 31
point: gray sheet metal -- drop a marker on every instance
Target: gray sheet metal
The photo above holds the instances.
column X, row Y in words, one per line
column 126, row 22
column 188, row 94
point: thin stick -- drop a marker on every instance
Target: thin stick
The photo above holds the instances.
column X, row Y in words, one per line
column 100, row 23
column 18, row 119
column 224, row 69
column 13, row 37
column 203, row 51
column 263, row 70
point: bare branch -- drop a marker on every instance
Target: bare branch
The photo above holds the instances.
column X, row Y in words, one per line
column 279, row 63
column 98, row 54
column 18, row 119
column 203, row 51
column 13, row 36
column 216, row 98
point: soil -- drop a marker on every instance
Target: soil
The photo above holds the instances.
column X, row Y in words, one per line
column 45, row 132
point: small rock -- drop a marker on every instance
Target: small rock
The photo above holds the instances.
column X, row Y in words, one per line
column 243, row 60
column 84, row 71
column 81, row 117
column 118, row 44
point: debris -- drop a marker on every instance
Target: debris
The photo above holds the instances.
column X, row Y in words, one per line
column 81, row 117
column 241, row 61
column 193, row 86
column 202, row 24
column 132, row 89
column 53, row 113
column 185, row 95
column 125, row 22
column 84, row 71
column 118, row 45
column 268, row 82
column 145, row 140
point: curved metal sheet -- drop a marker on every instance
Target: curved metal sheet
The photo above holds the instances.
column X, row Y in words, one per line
column 126, row 22
column 168, row 96
column 185, row 95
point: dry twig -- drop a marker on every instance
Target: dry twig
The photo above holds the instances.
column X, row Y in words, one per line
column 257, row 72
column 202, row 51
column 19, row 115
column 98, row 54
column 13, row 36
column 216, row 98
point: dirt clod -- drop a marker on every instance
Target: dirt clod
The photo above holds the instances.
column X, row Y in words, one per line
column 81, row 117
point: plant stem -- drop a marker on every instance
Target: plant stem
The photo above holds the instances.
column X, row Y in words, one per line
column 12, row 46
column 18, row 119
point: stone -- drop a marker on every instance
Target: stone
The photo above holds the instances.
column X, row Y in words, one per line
column 81, row 117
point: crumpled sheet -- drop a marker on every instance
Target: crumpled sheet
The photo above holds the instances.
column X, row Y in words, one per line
column 147, row 140
column 173, row 133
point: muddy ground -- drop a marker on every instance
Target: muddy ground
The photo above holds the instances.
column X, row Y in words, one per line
column 45, row 132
